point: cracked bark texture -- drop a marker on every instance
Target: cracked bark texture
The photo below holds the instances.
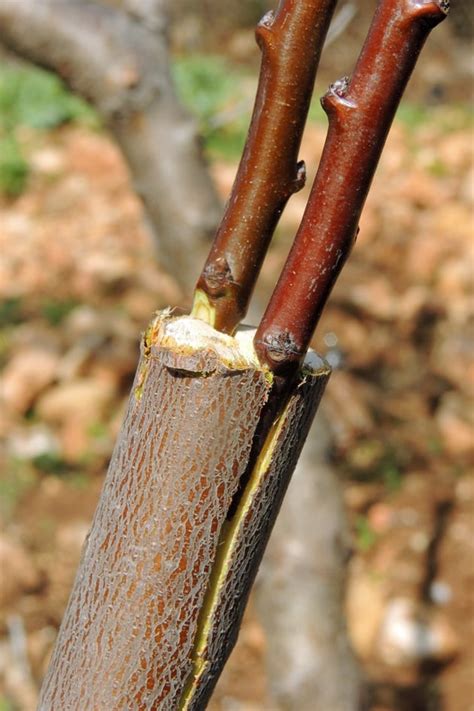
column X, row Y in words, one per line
column 117, row 58
column 249, row 532
column 127, row 636
column 168, row 564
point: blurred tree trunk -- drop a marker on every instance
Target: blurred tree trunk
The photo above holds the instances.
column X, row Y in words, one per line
column 117, row 58
column 301, row 589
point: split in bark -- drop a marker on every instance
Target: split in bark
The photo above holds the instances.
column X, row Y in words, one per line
column 269, row 172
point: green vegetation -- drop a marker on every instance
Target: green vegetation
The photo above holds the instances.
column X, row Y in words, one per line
column 447, row 118
column 13, row 167
column 214, row 91
column 18, row 477
column 391, row 476
column 11, row 312
column 371, row 460
column 36, row 99
column 55, row 311
column 51, row 463
column 365, row 536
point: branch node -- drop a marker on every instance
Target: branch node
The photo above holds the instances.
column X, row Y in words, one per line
column 340, row 87
column 431, row 12
column 336, row 98
column 291, row 40
column 264, row 31
column 300, row 177
column 267, row 20
column 279, row 350
column 217, row 277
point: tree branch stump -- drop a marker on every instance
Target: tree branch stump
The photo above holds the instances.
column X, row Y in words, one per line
column 193, row 488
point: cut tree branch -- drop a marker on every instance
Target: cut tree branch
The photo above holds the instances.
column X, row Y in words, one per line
column 168, row 565
column 269, row 172
column 122, row 68
column 360, row 112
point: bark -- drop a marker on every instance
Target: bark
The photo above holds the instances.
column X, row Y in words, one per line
column 168, row 564
column 360, row 111
column 269, row 172
column 121, row 65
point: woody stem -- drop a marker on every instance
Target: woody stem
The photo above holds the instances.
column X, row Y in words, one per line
column 360, row 112
column 269, row 172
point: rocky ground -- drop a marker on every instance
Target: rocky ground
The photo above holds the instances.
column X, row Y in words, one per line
column 78, row 283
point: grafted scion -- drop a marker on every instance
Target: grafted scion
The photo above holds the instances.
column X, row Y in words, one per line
column 360, row 111
column 269, row 173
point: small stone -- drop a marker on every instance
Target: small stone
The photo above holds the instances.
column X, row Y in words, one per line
column 27, row 374
column 40, row 645
column 253, row 635
column 49, row 161
column 359, row 496
column 31, row 442
column 410, row 635
column 83, row 320
column 84, row 400
column 71, row 536
column 380, row 517
column 376, row 298
column 408, row 517
column 440, row 592
column 17, row 570
column 365, row 603
column 456, row 430
column 465, row 489
column 419, row 542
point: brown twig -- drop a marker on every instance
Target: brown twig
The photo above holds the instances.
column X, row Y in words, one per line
column 291, row 42
column 360, row 112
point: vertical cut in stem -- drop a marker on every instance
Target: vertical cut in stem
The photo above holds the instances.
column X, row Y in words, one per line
column 360, row 111
column 269, row 172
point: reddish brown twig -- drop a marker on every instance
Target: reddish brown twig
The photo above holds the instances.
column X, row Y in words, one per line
column 360, row 111
column 291, row 42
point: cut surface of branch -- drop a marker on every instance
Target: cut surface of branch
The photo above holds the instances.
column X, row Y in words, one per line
column 360, row 112
column 269, row 172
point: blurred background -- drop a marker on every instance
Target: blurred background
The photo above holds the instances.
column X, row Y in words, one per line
column 79, row 279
